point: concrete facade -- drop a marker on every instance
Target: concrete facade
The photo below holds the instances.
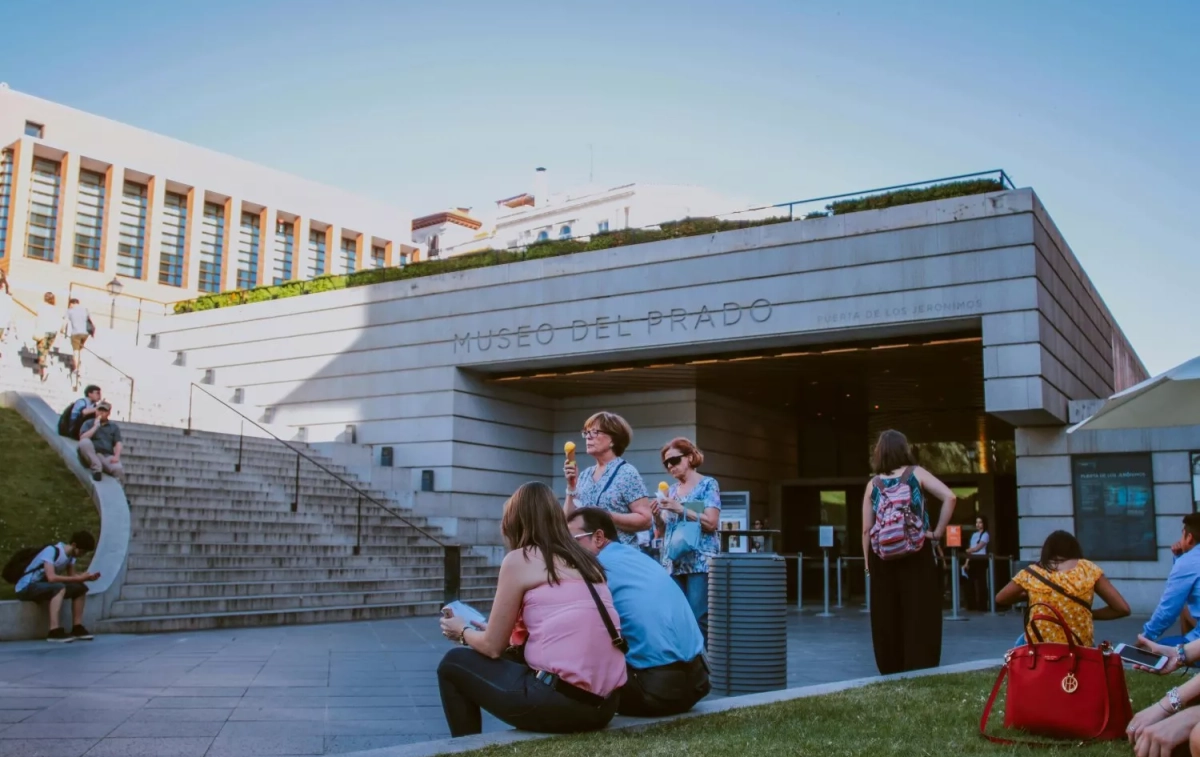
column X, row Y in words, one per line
column 113, row 200
column 412, row 364
column 1045, row 494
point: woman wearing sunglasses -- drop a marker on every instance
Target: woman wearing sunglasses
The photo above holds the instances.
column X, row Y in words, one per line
column 696, row 499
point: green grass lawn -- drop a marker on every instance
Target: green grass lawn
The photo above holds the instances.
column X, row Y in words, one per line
column 41, row 501
column 937, row 715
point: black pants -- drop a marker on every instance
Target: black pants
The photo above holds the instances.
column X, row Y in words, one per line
column 906, row 612
column 974, row 587
column 664, row 690
column 469, row 681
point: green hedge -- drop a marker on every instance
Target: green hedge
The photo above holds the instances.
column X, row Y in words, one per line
column 688, row 227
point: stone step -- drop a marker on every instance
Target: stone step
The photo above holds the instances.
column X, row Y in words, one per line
column 476, row 571
column 290, row 537
column 208, row 590
column 165, row 624
column 267, row 561
column 300, row 521
column 282, row 549
column 123, row 608
column 147, row 486
column 279, row 512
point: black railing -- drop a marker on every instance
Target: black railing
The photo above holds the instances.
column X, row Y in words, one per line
column 451, row 553
column 124, row 375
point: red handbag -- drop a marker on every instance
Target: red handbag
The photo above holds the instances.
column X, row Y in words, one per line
column 1065, row 691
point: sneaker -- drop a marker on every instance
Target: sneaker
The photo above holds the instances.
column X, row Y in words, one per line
column 59, row 636
column 79, row 633
column 97, row 475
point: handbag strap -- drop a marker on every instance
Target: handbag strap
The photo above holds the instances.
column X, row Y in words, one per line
column 607, row 484
column 1069, row 634
column 987, row 712
column 618, row 641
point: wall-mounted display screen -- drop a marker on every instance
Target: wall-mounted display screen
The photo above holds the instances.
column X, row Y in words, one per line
column 1114, row 506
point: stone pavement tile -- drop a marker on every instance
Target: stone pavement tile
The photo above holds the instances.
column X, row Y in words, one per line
column 151, row 747
column 54, row 678
column 46, row 747
column 76, row 715
column 203, row 691
column 370, row 713
column 269, row 729
column 261, row 746
column 384, row 727
column 341, row 744
column 383, row 700
column 277, row 713
column 56, row 731
column 15, row 716
column 184, row 703
column 152, row 680
column 102, row 700
column 139, row 730
column 10, row 702
column 169, row 715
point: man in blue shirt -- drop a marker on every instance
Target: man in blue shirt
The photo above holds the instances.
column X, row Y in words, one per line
column 1182, row 593
column 666, row 666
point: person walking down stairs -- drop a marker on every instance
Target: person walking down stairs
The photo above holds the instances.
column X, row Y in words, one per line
column 100, row 445
column 45, row 331
column 77, row 326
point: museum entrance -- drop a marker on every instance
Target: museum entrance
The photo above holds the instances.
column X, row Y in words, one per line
column 790, row 430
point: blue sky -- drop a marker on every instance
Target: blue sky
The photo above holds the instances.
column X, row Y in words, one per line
column 1094, row 104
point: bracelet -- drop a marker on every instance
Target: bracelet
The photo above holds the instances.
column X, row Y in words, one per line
column 462, row 638
column 1173, row 698
column 1181, row 653
column 1165, row 708
column 570, row 492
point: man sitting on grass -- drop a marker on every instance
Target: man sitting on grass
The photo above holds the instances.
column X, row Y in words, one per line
column 51, row 576
column 665, row 662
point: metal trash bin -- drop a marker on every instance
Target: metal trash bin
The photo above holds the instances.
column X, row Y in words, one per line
column 747, row 618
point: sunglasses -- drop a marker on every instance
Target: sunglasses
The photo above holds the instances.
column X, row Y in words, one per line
column 671, row 462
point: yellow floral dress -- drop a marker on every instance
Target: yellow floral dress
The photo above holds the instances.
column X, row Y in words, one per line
column 1080, row 582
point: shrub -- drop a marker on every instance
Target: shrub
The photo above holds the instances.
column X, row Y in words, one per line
column 686, row 227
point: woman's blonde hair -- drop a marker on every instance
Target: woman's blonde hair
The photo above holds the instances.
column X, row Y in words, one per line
column 617, row 428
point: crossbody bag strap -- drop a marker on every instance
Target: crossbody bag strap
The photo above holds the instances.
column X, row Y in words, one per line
column 608, row 483
column 618, row 641
column 37, row 565
column 1046, row 580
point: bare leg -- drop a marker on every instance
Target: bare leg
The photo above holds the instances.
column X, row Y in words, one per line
column 56, row 608
column 77, row 610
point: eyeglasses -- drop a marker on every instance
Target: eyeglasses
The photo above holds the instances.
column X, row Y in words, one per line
column 582, row 536
column 671, row 462
column 591, row 432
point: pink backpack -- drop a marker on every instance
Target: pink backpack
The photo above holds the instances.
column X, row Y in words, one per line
column 899, row 530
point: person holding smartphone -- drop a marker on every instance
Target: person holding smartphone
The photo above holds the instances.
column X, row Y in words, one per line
column 1169, row 723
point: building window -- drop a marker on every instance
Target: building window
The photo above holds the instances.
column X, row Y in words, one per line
column 403, row 259
column 174, row 239
column 543, row 235
column 349, row 255
column 285, row 247
column 212, row 247
column 34, row 129
column 6, row 169
column 89, row 220
column 132, row 244
column 43, row 210
column 602, row 227
column 316, row 246
column 378, row 256
column 248, row 246
column 564, row 232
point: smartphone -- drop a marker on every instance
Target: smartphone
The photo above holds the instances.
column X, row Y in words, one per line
column 1138, row 656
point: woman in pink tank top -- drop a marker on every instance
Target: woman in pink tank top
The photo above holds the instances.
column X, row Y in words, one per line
column 551, row 657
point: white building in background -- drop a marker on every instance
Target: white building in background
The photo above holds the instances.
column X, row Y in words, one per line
column 541, row 215
column 85, row 201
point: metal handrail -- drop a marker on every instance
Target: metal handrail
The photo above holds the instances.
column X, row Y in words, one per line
column 451, row 553
column 309, row 458
column 129, row 378
column 1001, row 175
column 71, row 286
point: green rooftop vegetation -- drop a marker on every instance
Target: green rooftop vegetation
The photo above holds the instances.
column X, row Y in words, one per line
column 687, row 227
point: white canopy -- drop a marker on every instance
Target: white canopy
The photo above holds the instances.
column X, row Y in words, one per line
column 1170, row 399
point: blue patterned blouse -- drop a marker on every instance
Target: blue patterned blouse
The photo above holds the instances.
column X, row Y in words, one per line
column 619, row 487
column 708, row 492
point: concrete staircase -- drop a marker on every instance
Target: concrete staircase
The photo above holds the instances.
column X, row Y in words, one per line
column 214, row 547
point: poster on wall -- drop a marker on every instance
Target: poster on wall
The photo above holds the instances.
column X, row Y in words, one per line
column 735, row 516
column 1114, row 506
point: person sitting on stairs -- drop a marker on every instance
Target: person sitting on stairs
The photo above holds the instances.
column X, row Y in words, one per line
column 100, row 444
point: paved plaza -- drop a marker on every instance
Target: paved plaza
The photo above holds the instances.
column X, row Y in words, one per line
column 311, row 690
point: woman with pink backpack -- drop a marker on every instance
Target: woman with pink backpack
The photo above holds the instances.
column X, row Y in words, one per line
column 898, row 546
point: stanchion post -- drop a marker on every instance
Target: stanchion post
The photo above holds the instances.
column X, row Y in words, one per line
column 799, row 580
column 839, row 583
column 825, row 579
column 991, row 584
column 867, row 603
column 954, row 577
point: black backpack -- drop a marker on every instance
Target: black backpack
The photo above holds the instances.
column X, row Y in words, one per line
column 65, row 427
column 15, row 568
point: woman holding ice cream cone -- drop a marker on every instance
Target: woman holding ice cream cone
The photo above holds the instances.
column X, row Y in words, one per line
column 696, row 498
column 611, row 484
